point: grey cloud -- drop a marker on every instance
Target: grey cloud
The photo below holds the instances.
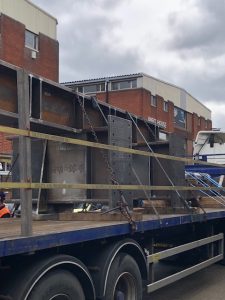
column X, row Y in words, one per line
column 206, row 88
column 201, row 85
column 89, row 46
column 218, row 121
column 53, row 7
column 88, row 55
column 58, row 7
column 87, row 41
column 205, row 34
column 216, row 8
column 106, row 4
column 203, row 39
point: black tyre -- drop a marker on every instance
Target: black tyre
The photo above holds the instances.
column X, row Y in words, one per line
column 124, row 279
column 57, row 285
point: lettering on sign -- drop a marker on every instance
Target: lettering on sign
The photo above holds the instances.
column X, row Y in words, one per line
column 157, row 122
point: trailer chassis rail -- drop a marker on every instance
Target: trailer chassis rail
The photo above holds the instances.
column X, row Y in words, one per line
column 156, row 257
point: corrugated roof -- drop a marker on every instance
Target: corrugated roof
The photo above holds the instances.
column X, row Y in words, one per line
column 105, row 78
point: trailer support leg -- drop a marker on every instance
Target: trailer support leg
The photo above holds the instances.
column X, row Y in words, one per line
column 25, row 152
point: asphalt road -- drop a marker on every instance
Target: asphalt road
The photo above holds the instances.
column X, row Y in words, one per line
column 208, row 284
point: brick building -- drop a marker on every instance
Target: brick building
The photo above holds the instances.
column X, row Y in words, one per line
column 170, row 107
column 28, row 40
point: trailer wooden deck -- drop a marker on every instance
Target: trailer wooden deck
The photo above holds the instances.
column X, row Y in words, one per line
column 10, row 228
column 48, row 234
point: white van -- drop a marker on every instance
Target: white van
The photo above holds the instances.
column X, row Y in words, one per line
column 210, row 146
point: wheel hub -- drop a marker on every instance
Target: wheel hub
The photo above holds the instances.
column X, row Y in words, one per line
column 125, row 287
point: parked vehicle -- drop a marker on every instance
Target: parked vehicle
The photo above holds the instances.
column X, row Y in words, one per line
column 210, row 146
column 74, row 149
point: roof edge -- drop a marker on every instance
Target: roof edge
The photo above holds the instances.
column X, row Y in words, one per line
column 139, row 74
column 176, row 86
column 42, row 10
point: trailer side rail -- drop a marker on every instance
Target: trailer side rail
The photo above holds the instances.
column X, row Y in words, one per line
column 156, row 257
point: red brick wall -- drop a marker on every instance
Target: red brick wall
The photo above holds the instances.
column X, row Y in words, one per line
column 138, row 101
column 170, row 127
column 13, row 50
column 189, row 124
column 199, row 123
column 209, row 124
column 12, row 41
column 147, row 110
column 130, row 100
column 47, row 62
column 5, row 145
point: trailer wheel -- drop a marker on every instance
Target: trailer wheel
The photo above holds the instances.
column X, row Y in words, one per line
column 57, row 285
column 124, row 280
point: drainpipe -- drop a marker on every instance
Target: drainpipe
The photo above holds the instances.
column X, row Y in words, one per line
column 107, row 90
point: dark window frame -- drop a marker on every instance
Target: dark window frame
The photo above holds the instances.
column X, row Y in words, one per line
column 116, row 85
column 180, row 117
column 93, row 88
column 31, row 40
column 165, row 106
column 153, row 101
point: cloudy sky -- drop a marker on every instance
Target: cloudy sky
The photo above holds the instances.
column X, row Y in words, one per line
column 181, row 42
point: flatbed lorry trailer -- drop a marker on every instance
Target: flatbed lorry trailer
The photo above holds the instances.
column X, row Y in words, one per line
column 103, row 260
column 51, row 253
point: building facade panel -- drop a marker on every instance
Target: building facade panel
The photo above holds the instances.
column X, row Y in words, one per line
column 176, row 94
column 194, row 105
column 34, row 18
column 168, row 92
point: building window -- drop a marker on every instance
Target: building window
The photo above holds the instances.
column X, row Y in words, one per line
column 179, row 117
column 5, row 168
column 163, row 136
column 134, row 83
column 101, row 87
column 115, row 86
column 91, row 88
column 122, row 85
column 153, row 100
column 199, row 121
column 80, row 89
column 165, row 106
column 31, row 40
